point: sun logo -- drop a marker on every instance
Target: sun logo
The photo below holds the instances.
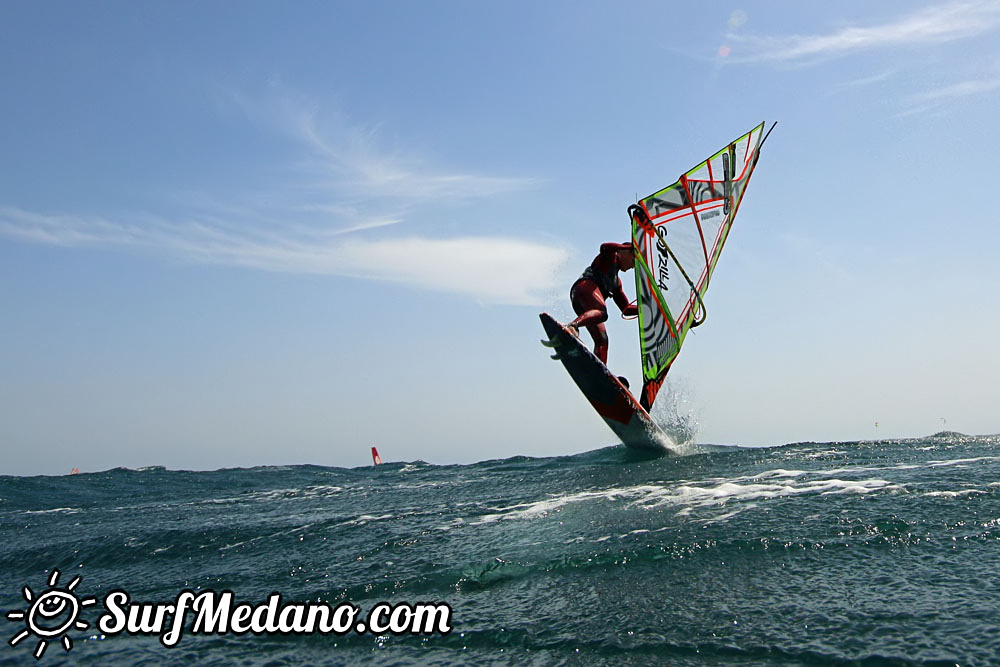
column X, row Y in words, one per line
column 50, row 614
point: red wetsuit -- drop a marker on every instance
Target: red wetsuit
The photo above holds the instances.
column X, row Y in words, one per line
column 599, row 281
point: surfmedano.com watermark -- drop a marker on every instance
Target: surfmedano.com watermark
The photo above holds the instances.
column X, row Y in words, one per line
column 52, row 613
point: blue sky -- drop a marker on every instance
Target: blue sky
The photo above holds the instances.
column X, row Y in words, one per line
column 262, row 233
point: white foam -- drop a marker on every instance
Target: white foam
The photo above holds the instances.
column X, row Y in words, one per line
column 56, row 510
column 961, row 462
column 454, row 523
column 555, row 503
column 955, row 494
column 270, row 494
column 227, row 547
column 364, row 519
column 689, row 496
column 823, row 454
column 963, row 492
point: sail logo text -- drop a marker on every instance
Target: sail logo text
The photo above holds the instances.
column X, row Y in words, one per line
column 663, row 279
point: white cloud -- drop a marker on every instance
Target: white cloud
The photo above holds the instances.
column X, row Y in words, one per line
column 932, row 25
column 961, row 89
column 497, row 270
column 936, row 100
column 352, row 163
column 872, row 80
column 345, row 186
column 493, row 270
column 348, row 159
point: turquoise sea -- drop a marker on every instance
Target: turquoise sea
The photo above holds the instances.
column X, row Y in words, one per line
column 837, row 553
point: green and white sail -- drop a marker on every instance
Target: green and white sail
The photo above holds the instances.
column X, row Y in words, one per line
column 679, row 233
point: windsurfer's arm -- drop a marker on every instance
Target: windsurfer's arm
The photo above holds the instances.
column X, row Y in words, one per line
column 628, row 309
column 611, row 251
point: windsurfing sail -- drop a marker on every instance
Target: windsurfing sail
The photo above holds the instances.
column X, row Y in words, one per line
column 376, row 459
column 679, row 232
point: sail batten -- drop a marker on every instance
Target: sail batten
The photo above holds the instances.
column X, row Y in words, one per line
column 679, row 232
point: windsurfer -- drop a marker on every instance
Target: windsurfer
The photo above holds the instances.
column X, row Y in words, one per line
column 599, row 281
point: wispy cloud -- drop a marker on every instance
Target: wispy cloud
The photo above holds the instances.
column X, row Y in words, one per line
column 498, row 270
column 321, row 221
column 932, row 25
column 350, row 159
column 872, row 80
column 935, row 101
column 355, row 164
column 493, row 270
column 960, row 89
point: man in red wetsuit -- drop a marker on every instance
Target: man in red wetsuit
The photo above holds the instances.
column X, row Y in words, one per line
column 599, row 281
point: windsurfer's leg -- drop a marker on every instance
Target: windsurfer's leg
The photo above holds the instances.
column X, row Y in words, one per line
column 592, row 313
column 588, row 303
column 592, row 321
column 600, row 335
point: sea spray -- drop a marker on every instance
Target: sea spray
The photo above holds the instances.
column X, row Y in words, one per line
column 675, row 413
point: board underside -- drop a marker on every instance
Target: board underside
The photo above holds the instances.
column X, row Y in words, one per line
column 605, row 392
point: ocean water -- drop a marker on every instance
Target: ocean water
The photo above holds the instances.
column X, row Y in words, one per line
column 880, row 553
